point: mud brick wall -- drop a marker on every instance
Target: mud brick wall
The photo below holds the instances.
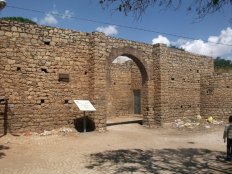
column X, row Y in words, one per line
column 181, row 89
column 216, row 96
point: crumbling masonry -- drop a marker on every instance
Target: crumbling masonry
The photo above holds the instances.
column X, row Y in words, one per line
column 43, row 69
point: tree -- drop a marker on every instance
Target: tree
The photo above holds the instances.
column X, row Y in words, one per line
column 176, row 47
column 220, row 63
column 138, row 7
column 19, row 19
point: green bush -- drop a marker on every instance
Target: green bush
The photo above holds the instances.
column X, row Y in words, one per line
column 18, row 19
column 220, row 63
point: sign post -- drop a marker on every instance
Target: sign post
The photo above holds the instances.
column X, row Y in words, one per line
column 84, row 105
column 84, row 122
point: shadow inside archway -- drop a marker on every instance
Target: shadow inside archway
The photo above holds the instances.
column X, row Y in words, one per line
column 183, row 160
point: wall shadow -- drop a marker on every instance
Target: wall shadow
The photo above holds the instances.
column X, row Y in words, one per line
column 183, row 160
column 2, row 149
column 79, row 124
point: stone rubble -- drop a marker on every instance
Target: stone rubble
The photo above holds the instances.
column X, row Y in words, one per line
column 61, row 131
column 194, row 123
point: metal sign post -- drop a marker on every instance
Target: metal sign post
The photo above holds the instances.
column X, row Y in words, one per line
column 84, row 105
column 84, row 122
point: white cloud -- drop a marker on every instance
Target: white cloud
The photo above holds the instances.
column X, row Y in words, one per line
column 54, row 12
column 214, row 47
column 213, row 39
column 35, row 19
column 198, row 47
column 161, row 39
column 109, row 30
column 49, row 19
column 67, row 14
column 121, row 59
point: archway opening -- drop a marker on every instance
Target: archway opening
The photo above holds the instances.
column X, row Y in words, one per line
column 125, row 90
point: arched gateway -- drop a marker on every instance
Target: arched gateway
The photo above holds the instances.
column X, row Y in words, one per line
column 104, row 51
column 139, row 96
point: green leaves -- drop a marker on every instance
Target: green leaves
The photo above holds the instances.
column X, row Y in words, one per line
column 220, row 63
column 215, row 2
column 138, row 7
column 19, row 19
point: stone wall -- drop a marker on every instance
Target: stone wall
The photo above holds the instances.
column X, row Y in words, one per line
column 124, row 78
column 43, row 69
column 216, row 96
column 136, row 79
column 181, row 75
column 32, row 60
column 120, row 90
column 141, row 54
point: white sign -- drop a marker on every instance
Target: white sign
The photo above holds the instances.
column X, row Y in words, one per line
column 84, row 105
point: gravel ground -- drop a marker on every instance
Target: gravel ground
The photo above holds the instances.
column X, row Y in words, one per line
column 129, row 148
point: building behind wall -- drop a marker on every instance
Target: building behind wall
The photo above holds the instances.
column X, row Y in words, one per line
column 43, row 69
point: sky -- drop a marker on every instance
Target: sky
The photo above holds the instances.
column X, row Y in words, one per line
column 172, row 27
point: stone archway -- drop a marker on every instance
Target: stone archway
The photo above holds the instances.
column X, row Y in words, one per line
column 132, row 53
column 138, row 58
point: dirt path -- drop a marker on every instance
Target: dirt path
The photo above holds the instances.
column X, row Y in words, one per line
column 122, row 149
